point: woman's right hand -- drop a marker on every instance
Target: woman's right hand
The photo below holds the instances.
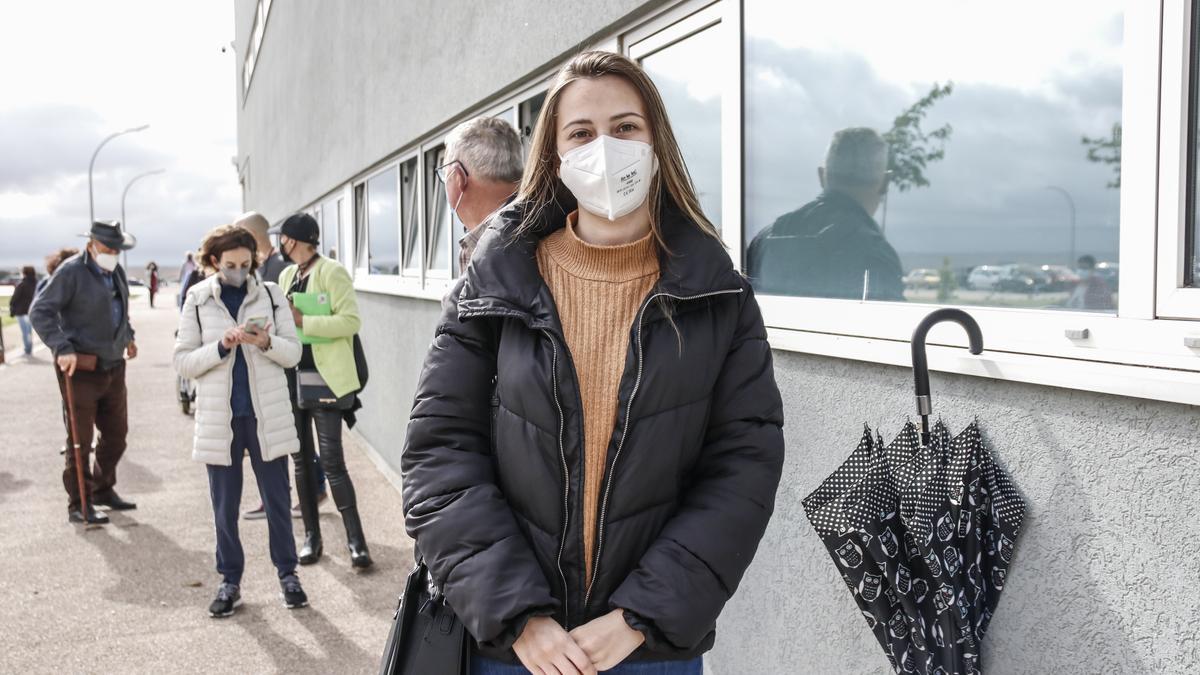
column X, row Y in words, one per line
column 545, row 647
column 231, row 339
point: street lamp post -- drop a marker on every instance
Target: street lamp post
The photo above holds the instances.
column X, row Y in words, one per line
column 128, row 185
column 1071, row 206
column 92, row 164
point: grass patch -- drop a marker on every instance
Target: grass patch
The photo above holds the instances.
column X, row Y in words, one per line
column 5, row 319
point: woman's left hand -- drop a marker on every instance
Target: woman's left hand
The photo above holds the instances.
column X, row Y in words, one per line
column 258, row 338
column 608, row 640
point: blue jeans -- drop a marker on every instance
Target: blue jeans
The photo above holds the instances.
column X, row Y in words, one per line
column 225, row 488
column 485, row 666
column 26, row 332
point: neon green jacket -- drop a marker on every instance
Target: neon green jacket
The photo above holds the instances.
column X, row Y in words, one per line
column 335, row 360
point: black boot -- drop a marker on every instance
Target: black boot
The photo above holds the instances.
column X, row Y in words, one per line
column 312, row 549
column 356, row 541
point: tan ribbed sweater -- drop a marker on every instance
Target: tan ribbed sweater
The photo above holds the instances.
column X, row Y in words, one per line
column 598, row 291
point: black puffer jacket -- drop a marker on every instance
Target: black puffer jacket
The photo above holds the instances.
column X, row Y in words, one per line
column 493, row 488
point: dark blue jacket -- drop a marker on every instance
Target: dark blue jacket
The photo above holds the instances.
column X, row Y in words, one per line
column 73, row 312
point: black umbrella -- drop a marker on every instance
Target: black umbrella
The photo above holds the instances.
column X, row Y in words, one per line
column 922, row 531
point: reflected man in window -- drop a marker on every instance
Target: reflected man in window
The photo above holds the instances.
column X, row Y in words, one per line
column 832, row 247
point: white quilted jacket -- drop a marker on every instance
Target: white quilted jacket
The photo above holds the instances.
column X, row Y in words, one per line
column 197, row 358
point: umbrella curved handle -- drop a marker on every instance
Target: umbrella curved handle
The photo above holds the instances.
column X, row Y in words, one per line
column 921, row 362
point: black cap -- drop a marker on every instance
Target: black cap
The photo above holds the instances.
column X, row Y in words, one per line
column 110, row 233
column 300, row 227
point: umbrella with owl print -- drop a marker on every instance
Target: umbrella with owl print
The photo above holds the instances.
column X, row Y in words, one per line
column 922, row 531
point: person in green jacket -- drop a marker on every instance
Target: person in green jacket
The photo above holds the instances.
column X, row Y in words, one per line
column 328, row 341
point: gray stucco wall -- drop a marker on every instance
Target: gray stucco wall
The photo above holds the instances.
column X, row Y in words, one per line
column 1106, row 571
column 337, row 90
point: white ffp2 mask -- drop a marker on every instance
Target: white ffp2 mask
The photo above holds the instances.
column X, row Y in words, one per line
column 610, row 177
column 106, row 261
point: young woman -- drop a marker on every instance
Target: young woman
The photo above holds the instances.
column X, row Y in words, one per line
column 152, row 280
column 331, row 357
column 596, row 441
column 235, row 339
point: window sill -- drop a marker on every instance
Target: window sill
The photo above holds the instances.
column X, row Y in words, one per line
column 1137, row 381
column 401, row 286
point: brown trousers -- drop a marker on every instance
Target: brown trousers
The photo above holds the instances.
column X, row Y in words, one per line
column 100, row 403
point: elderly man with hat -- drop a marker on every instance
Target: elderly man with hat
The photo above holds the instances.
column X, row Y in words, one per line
column 84, row 310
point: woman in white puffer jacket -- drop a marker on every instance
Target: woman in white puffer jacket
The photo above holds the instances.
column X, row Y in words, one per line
column 236, row 336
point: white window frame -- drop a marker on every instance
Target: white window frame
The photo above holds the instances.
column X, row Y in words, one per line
column 365, row 182
column 1131, row 353
column 1174, row 299
column 676, row 25
column 258, row 27
column 431, row 184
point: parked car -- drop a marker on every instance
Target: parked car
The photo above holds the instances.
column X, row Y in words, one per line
column 923, row 277
column 1062, row 278
column 985, row 277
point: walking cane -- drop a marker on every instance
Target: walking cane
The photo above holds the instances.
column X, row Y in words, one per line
column 79, row 461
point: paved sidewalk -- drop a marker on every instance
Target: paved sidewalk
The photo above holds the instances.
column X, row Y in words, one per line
column 132, row 596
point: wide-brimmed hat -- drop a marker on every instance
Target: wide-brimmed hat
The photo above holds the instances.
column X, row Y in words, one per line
column 109, row 233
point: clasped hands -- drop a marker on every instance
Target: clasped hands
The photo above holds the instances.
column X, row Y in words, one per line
column 599, row 645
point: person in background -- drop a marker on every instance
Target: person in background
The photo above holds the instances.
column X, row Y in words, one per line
column 185, row 270
column 152, row 280
column 271, row 263
column 832, row 247
column 235, row 338
column 19, row 303
column 331, row 362
column 84, row 309
column 527, row 419
column 52, row 262
column 484, row 162
column 1092, row 293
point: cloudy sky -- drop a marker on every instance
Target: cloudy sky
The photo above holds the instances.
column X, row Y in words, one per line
column 77, row 71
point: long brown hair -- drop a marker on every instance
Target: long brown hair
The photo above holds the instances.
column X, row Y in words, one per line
column 541, row 185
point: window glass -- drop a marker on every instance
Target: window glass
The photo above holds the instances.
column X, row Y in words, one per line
column 683, row 73
column 360, row 225
column 878, row 166
column 383, row 222
column 410, row 220
column 331, row 222
column 530, row 109
column 437, row 215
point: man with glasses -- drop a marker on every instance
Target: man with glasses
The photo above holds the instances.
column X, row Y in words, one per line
column 84, row 309
column 484, row 162
column 832, row 247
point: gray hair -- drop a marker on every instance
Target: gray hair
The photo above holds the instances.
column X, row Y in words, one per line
column 489, row 147
column 857, row 157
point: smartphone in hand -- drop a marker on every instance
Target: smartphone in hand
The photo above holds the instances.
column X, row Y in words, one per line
column 256, row 324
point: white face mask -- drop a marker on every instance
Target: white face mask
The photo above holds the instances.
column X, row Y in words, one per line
column 610, row 177
column 234, row 276
column 106, row 261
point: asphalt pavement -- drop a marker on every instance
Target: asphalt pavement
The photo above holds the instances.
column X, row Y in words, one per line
column 131, row 597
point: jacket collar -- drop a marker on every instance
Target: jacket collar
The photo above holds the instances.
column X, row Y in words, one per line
column 214, row 288
column 503, row 277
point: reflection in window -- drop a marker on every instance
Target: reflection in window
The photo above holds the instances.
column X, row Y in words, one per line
column 437, row 211
column 383, row 223
column 693, row 100
column 410, row 220
column 1191, row 272
column 331, row 227
column 529, row 111
column 878, row 168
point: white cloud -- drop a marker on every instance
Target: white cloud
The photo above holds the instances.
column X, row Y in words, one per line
column 86, row 69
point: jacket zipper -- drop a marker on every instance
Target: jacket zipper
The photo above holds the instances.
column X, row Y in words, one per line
column 562, row 454
column 625, row 430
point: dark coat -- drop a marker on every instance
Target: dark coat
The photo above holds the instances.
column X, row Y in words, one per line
column 22, row 297
column 821, row 251
column 493, row 484
column 73, row 312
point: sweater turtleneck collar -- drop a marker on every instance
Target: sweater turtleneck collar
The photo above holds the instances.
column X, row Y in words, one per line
column 620, row 263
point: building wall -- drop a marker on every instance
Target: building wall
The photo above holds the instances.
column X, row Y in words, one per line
column 1105, row 574
column 407, row 68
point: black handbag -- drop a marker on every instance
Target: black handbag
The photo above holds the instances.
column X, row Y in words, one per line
column 312, row 393
column 426, row 637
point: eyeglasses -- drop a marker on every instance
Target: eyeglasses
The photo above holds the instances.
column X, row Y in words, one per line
column 444, row 170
